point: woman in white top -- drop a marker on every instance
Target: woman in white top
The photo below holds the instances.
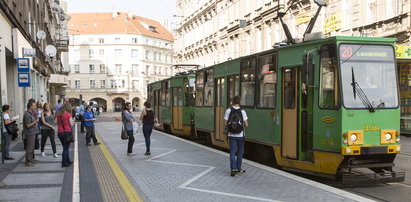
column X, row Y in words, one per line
column 5, row 135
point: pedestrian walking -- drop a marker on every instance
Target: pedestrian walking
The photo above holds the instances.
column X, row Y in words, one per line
column 82, row 110
column 47, row 129
column 127, row 119
column 30, row 120
column 147, row 116
column 58, row 106
column 235, row 120
column 6, row 135
column 89, row 120
column 64, row 123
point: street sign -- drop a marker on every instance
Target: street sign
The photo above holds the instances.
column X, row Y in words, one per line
column 24, row 79
column 23, row 65
column 29, row 52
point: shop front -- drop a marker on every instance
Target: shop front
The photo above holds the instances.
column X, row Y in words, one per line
column 403, row 54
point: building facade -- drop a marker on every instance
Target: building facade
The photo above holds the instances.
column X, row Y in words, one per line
column 213, row 31
column 113, row 56
column 26, row 29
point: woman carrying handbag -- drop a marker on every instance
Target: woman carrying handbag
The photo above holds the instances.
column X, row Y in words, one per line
column 127, row 119
column 6, row 135
column 65, row 122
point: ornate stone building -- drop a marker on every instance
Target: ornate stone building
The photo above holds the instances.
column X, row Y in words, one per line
column 213, row 31
column 113, row 56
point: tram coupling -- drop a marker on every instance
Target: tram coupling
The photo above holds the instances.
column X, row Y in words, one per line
column 356, row 179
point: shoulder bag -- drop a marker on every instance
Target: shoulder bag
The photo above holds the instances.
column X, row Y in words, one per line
column 69, row 135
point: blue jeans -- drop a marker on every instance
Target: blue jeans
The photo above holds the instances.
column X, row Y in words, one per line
column 147, row 129
column 7, row 140
column 236, row 147
column 66, row 146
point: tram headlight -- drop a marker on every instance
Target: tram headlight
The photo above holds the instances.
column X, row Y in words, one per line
column 353, row 137
column 388, row 136
column 398, row 148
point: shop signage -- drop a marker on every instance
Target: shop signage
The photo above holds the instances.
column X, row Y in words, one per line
column 403, row 52
column 24, row 79
column 29, row 52
column 333, row 23
column 23, row 65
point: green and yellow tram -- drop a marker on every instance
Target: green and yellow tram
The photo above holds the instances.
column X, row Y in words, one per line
column 324, row 106
column 173, row 102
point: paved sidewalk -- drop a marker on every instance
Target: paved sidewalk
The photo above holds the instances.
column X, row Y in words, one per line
column 45, row 181
column 179, row 170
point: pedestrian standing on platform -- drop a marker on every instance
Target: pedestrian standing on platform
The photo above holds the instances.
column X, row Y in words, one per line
column 89, row 120
column 39, row 112
column 30, row 121
column 58, row 106
column 64, row 123
column 47, row 129
column 127, row 119
column 82, row 110
column 5, row 134
column 147, row 116
column 235, row 120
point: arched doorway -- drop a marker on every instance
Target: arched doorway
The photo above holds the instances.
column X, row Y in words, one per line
column 100, row 102
column 118, row 104
column 74, row 101
column 135, row 103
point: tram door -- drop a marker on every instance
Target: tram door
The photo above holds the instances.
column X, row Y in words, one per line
column 177, row 108
column 290, row 112
column 219, row 109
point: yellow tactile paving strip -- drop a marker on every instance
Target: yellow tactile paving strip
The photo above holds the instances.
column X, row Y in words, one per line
column 114, row 184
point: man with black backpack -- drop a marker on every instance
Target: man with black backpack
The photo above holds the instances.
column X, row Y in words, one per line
column 235, row 120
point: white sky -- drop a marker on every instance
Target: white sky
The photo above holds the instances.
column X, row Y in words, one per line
column 152, row 9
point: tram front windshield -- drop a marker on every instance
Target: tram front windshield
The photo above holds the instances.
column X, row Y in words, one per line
column 372, row 68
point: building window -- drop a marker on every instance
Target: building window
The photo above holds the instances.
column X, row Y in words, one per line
column 117, row 40
column 118, row 69
column 76, row 68
column 77, row 83
column 92, row 83
column 101, row 40
column 90, row 40
column 91, row 52
column 267, row 81
column 113, row 83
column 155, row 56
column 102, row 83
column 159, row 56
column 134, row 40
column 134, row 69
column 102, row 69
column 123, row 83
column 117, row 52
column 147, row 41
column 135, row 84
column 101, row 51
column 134, row 53
column 247, row 89
column 147, row 54
column 92, row 69
column 147, row 69
column 155, row 69
column 69, row 84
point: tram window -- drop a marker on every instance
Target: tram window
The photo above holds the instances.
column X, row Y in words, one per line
column 289, row 88
column 190, row 91
column 248, row 68
column 199, row 88
column 177, row 97
column 233, row 87
column 267, row 79
column 328, row 77
column 168, row 94
column 164, row 89
column 208, row 87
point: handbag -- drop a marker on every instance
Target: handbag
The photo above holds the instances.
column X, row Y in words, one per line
column 12, row 127
column 124, row 135
column 69, row 135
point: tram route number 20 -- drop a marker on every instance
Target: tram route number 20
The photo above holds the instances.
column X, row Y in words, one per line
column 346, row 52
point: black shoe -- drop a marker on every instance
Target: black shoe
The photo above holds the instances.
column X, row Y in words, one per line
column 88, row 144
column 240, row 171
column 233, row 172
column 97, row 143
column 9, row 158
column 147, row 153
column 70, row 162
column 65, row 165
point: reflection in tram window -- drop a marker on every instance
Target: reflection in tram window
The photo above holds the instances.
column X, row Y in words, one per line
column 248, row 68
column 329, row 79
column 267, row 76
column 234, row 88
column 289, row 88
column 199, row 88
column 208, row 87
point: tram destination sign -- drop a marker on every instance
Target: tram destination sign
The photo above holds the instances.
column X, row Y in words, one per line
column 366, row 52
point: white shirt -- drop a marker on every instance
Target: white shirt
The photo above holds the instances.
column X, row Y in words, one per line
column 5, row 117
column 245, row 118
